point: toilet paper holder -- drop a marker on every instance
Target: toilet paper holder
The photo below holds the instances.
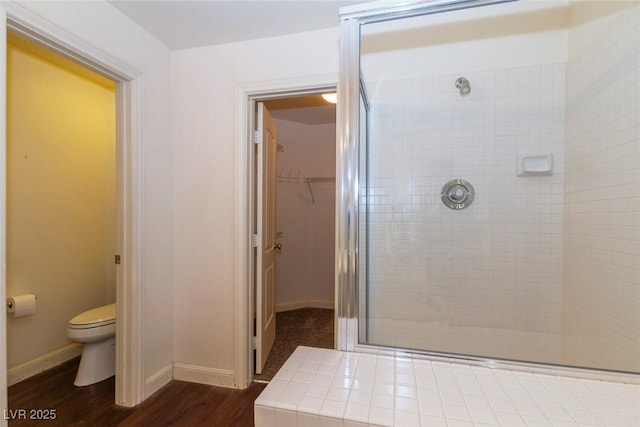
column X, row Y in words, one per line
column 10, row 307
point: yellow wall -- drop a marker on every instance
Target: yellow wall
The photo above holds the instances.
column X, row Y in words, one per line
column 61, row 195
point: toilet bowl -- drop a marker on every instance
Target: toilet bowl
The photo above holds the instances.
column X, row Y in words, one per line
column 96, row 329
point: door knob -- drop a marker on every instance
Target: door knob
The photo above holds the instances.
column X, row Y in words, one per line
column 277, row 246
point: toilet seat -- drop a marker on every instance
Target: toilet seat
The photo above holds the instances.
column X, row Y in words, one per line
column 96, row 330
column 95, row 318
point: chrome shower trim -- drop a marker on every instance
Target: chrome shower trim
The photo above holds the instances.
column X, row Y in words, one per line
column 453, row 190
column 347, row 157
column 504, row 364
column 382, row 10
column 462, row 84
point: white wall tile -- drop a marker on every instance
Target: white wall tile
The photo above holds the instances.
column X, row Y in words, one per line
column 264, row 416
column 310, row 404
column 333, row 408
column 437, row 276
column 285, row 418
column 456, row 394
column 307, row 420
column 357, row 412
column 381, row 416
column 601, row 247
column 331, row 422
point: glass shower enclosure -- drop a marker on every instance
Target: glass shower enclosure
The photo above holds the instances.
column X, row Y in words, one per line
column 489, row 182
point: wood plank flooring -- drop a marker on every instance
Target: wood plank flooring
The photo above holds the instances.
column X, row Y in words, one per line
column 177, row 404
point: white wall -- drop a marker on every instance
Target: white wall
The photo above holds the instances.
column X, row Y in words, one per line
column 521, row 33
column 204, row 175
column 61, row 198
column 104, row 28
column 305, row 267
column 601, row 300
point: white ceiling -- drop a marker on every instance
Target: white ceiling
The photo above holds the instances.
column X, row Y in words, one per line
column 182, row 24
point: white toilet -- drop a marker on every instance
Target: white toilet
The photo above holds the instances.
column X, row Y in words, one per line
column 96, row 329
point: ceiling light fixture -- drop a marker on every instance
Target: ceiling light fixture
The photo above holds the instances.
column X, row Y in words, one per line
column 330, row 97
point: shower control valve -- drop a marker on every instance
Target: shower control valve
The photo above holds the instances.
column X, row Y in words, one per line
column 457, row 194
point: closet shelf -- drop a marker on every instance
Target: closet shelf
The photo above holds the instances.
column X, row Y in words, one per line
column 291, row 177
column 318, row 180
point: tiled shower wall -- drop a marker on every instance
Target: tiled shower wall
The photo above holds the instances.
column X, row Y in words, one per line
column 486, row 280
column 601, row 297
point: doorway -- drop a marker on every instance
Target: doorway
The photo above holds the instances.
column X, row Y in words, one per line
column 61, row 201
column 130, row 197
column 304, row 227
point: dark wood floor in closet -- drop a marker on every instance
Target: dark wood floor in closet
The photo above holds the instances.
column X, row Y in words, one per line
column 177, row 404
column 312, row 327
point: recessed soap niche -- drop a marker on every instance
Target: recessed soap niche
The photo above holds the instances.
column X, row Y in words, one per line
column 535, row 164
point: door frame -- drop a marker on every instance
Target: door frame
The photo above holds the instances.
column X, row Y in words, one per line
column 247, row 95
column 130, row 197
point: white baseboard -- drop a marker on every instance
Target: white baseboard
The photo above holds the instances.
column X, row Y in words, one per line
column 158, row 380
column 42, row 363
column 202, row 375
column 295, row 305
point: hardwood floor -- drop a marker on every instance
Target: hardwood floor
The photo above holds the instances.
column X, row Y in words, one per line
column 177, row 404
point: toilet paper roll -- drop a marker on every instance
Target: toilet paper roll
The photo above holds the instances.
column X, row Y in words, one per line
column 21, row 305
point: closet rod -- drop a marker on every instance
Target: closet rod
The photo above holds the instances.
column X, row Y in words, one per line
column 318, row 179
column 313, row 179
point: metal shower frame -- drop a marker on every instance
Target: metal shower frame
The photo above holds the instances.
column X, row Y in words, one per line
column 348, row 196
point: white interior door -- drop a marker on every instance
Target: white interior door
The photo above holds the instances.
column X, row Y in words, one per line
column 267, row 147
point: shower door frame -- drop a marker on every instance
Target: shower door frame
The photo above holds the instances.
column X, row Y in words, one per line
column 352, row 18
column 348, row 196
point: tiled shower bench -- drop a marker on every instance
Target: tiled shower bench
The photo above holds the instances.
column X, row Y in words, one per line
column 329, row 388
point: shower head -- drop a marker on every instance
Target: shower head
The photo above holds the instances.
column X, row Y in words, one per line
column 463, row 85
